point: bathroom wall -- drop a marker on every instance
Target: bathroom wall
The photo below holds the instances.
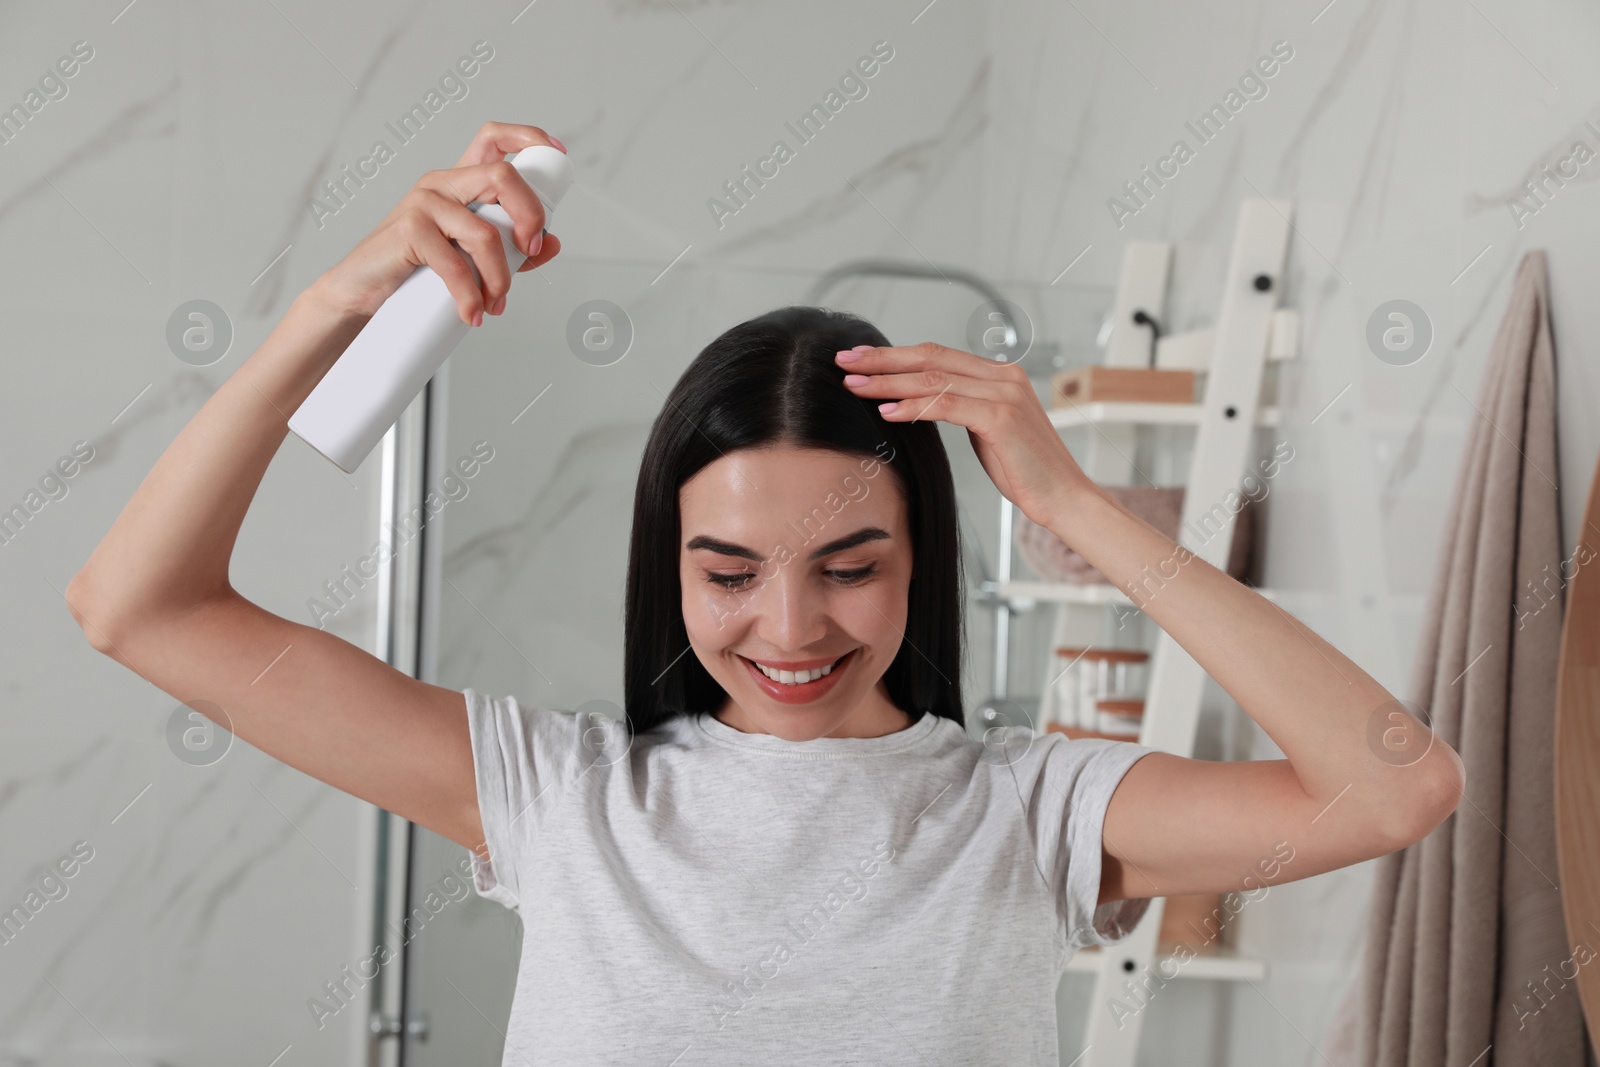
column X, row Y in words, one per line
column 181, row 165
column 1403, row 133
column 221, row 887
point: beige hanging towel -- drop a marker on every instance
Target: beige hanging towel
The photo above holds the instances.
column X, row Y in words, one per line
column 1465, row 940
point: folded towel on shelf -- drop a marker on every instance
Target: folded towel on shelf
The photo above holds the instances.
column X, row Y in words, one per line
column 1161, row 506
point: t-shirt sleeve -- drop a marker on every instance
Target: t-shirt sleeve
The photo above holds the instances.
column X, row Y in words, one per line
column 523, row 760
column 1074, row 786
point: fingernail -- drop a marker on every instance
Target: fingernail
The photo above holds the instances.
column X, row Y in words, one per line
column 847, row 356
column 855, row 379
column 556, row 141
column 536, row 244
column 499, row 305
column 477, row 318
column 890, row 406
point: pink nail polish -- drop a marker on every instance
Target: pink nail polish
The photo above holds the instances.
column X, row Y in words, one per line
column 848, row 356
column 556, row 141
column 887, row 408
column 855, row 379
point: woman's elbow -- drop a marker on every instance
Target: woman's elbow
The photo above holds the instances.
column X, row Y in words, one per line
column 1437, row 783
column 87, row 611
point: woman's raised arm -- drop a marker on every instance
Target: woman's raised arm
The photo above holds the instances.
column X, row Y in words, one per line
column 155, row 594
column 1177, row 825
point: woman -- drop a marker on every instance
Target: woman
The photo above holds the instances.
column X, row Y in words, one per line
column 791, row 850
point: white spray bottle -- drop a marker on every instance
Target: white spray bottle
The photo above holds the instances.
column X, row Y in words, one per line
column 409, row 337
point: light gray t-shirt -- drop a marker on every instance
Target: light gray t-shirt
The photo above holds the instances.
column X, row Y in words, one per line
column 701, row 896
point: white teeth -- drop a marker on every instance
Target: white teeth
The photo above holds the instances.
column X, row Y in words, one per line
column 795, row 677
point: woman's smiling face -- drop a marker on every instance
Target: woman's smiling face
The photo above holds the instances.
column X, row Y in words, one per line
column 799, row 558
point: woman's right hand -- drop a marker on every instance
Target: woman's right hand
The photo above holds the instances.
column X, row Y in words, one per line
column 420, row 228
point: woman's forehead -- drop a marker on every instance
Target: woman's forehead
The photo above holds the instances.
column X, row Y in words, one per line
column 755, row 490
column 781, row 472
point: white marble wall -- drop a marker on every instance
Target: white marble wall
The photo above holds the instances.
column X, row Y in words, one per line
column 219, row 898
column 179, row 166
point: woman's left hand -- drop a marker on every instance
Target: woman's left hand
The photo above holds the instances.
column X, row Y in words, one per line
column 1011, row 433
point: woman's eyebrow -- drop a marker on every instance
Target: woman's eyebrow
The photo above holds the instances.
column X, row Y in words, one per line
column 728, row 548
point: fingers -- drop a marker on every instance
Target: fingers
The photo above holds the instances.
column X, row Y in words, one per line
column 932, row 381
column 477, row 273
column 495, row 182
column 930, row 356
column 511, row 190
column 927, row 383
column 552, row 245
column 480, row 239
column 496, row 140
column 490, row 145
column 980, row 416
column 430, row 246
column 928, row 370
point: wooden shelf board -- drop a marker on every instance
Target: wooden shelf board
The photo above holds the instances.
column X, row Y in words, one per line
column 1078, row 732
column 1223, row 964
column 1075, row 593
column 1102, row 412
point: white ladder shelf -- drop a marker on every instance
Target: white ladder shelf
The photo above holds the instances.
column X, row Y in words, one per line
column 1250, row 330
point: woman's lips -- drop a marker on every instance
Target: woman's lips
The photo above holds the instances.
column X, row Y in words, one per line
column 806, row 692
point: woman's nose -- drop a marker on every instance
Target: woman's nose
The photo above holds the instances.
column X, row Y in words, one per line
column 792, row 615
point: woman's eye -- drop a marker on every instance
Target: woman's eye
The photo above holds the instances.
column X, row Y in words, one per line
column 740, row 581
column 852, row 577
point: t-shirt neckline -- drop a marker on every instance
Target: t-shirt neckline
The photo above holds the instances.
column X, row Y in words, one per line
column 900, row 740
